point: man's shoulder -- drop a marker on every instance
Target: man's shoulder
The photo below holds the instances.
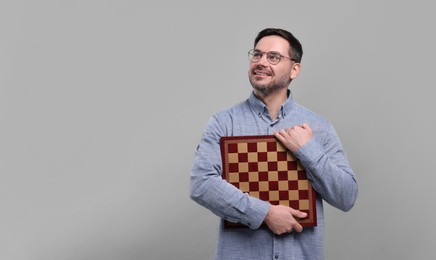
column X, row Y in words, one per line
column 310, row 114
column 233, row 110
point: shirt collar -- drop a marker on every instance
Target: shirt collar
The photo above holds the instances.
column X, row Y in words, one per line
column 261, row 108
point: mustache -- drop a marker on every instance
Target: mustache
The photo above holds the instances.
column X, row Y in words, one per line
column 261, row 68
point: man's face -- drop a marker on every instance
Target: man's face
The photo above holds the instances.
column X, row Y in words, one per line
column 267, row 78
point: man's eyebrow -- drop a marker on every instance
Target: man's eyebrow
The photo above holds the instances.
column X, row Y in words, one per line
column 275, row 52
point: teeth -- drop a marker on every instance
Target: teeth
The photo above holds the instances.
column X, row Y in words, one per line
column 261, row 73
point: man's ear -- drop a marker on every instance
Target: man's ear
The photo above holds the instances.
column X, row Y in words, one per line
column 295, row 70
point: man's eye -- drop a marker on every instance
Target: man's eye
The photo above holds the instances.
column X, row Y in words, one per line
column 274, row 57
column 257, row 55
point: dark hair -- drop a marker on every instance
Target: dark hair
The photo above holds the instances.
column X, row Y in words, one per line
column 295, row 50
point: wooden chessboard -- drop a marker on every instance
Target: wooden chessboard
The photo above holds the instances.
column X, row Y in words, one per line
column 262, row 167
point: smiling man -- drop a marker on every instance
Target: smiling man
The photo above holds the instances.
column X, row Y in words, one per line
column 270, row 110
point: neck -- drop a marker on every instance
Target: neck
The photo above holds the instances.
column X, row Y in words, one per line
column 273, row 101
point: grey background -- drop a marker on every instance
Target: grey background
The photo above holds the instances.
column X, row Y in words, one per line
column 103, row 102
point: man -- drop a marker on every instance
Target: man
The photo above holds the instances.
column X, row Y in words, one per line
column 270, row 109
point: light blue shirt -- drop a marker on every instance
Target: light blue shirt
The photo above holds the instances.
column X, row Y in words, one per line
column 323, row 158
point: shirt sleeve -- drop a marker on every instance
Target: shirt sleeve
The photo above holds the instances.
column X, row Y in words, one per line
column 329, row 171
column 211, row 191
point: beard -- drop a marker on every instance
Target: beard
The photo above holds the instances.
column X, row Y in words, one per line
column 269, row 88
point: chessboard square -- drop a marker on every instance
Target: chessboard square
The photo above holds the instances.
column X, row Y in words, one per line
column 243, row 177
column 263, row 176
column 303, row 194
column 293, row 195
column 253, row 167
column 281, row 147
column 283, row 175
column 261, row 147
column 273, row 176
column 254, row 194
column 303, row 184
column 253, row 176
column 264, row 195
column 281, row 156
column 262, row 156
column 252, row 147
column 252, row 157
column 243, row 167
column 242, row 148
column 244, row 186
column 232, row 158
column 303, row 205
column 232, row 148
column 282, row 165
column 284, row 203
column 302, row 175
column 262, row 166
column 300, row 166
column 272, row 156
column 274, row 202
column 233, row 167
column 274, row 195
column 272, row 166
column 292, row 175
column 254, row 186
column 271, row 146
column 263, row 186
column 273, row 185
column 293, row 185
column 283, row 195
column 243, row 157
column 233, row 177
column 294, row 204
column 283, row 186
column 290, row 156
column 292, row 165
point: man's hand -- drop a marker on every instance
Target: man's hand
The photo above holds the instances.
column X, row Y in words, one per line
column 295, row 137
column 280, row 219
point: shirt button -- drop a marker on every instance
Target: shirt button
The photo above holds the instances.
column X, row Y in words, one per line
column 276, row 257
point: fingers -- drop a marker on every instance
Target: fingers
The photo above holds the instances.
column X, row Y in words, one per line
column 283, row 219
column 298, row 214
column 298, row 228
column 306, row 127
column 293, row 224
column 281, row 135
column 294, row 137
column 289, row 130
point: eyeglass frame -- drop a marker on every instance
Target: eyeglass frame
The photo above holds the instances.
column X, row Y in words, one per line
column 251, row 54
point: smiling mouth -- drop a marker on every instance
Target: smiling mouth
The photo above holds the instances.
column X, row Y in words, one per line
column 261, row 73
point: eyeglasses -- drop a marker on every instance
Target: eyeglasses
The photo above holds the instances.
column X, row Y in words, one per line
column 272, row 56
